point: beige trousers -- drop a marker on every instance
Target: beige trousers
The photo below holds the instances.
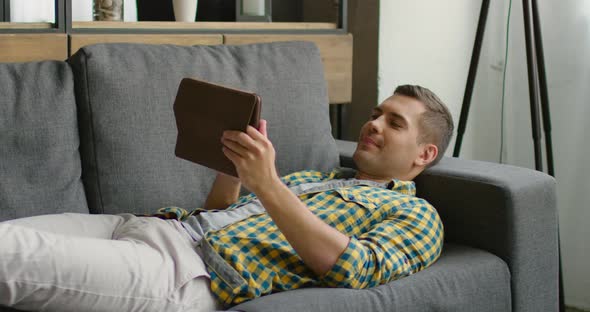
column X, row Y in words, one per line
column 80, row 262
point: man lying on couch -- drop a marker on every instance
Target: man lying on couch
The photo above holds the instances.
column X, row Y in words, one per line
column 344, row 228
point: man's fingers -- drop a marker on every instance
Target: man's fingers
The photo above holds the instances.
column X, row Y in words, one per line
column 245, row 146
column 252, row 140
column 255, row 134
column 263, row 128
column 230, row 154
column 234, row 146
column 239, row 137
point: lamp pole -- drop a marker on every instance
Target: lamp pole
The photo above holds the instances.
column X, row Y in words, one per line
column 538, row 95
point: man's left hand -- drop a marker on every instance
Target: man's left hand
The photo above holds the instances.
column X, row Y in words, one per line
column 253, row 155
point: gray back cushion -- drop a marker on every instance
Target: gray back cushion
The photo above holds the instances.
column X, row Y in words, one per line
column 125, row 94
column 39, row 159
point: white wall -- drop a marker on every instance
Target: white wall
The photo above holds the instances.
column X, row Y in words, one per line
column 430, row 43
column 566, row 38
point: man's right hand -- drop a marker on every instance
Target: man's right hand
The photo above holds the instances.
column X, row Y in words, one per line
column 224, row 192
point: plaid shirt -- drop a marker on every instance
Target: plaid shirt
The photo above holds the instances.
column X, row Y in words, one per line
column 392, row 234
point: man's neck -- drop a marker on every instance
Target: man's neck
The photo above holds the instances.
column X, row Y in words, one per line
column 363, row 176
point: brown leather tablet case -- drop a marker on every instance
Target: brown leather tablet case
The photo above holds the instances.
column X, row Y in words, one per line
column 203, row 111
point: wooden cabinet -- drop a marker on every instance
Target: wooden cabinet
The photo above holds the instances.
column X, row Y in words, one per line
column 57, row 40
column 336, row 52
column 33, row 47
column 335, row 44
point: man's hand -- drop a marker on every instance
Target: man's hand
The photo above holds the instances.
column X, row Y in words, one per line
column 317, row 243
column 253, row 155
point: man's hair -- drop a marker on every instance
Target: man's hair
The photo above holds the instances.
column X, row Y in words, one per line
column 436, row 123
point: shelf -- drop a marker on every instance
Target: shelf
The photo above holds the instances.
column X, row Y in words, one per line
column 13, row 25
column 202, row 25
column 79, row 40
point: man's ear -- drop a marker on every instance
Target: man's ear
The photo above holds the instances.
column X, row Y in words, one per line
column 427, row 155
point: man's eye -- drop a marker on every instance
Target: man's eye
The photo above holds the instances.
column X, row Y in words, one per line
column 373, row 117
column 394, row 125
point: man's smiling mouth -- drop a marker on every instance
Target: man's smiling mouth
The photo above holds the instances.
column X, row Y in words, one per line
column 369, row 142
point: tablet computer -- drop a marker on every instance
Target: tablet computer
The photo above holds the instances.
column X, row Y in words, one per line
column 203, row 110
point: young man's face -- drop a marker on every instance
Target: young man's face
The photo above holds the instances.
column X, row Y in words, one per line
column 388, row 143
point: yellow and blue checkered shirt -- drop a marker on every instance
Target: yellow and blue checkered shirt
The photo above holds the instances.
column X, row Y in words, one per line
column 393, row 234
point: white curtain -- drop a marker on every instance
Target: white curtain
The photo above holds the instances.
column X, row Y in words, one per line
column 44, row 10
column 32, row 11
column 82, row 10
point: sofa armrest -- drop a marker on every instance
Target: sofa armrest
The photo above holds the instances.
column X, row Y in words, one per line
column 506, row 210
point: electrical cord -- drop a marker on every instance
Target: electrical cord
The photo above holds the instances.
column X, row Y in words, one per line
column 504, row 83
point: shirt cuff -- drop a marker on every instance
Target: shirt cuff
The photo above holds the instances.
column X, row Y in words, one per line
column 345, row 271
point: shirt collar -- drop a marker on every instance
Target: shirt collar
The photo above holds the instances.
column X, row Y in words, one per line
column 400, row 186
column 404, row 187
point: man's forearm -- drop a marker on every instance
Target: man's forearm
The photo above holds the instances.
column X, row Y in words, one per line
column 224, row 192
column 317, row 243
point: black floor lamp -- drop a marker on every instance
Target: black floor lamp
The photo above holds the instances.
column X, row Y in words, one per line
column 537, row 93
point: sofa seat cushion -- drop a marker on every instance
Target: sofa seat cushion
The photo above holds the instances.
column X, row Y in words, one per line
column 463, row 279
column 39, row 159
column 125, row 94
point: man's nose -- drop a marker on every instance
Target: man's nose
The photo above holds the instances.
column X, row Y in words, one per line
column 376, row 125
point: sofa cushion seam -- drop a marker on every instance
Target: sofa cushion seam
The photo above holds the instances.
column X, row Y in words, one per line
column 92, row 137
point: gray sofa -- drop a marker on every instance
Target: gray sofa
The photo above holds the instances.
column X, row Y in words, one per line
column 96, row 134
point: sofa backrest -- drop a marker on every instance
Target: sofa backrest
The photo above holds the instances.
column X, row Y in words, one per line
column 39, row 159
column 125, row 94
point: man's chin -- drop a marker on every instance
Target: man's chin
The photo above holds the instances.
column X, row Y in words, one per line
column 357, row 153
column 363, row 151
column 360, row 157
